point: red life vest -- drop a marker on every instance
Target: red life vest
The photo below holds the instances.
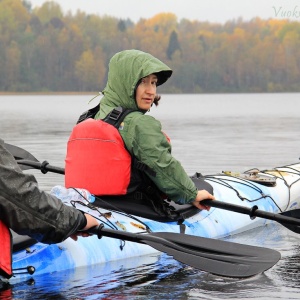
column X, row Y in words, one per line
column 6, row 251
column 97, row 159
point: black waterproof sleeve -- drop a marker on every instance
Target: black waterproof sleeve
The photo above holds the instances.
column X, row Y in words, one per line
column 28, row 210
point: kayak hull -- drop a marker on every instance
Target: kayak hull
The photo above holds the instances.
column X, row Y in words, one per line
column 215, row 223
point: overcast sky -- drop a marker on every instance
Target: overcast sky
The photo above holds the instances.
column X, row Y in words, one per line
column 204, row 10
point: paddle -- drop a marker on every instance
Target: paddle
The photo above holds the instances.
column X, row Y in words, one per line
column 289, row 219
column 214, row 256
column 27, row 161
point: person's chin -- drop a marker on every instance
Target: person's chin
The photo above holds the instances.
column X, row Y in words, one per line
column 145, row 107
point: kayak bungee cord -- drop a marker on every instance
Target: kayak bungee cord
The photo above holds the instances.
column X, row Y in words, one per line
column 108, row 223
column 276, row 169
column 89, row 205
column 101, row 215
column 242, row 181
column 224, row 182
column 124, row 213
column 114, row 209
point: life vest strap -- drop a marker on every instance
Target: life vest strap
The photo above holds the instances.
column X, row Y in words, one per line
column 115, row 118
column 117, row 115
column 91, row 113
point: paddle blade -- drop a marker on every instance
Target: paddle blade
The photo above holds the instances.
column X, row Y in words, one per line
column 20, row 154
column 293, row 214
column 218, row 257
column 214, row 256
column 27, row 161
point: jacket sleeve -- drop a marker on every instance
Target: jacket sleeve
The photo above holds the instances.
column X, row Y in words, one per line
column 145, row 139
column 28, row 210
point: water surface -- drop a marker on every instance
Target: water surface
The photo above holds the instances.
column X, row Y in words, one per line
column 209, row 133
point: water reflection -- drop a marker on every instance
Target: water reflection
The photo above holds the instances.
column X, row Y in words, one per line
column 114, row 280
column 289, row 269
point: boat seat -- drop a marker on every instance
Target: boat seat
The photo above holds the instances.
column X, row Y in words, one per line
column 142, row 209
column 139, row 207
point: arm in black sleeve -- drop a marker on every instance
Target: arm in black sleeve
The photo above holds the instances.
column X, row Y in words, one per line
column 28, row 210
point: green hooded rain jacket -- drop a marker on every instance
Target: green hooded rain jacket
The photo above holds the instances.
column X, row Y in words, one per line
column 142, row 134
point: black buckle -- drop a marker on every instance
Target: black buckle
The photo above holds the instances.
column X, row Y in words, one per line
column 115, row 113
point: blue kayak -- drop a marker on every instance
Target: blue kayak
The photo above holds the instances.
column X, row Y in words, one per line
column 276, row 190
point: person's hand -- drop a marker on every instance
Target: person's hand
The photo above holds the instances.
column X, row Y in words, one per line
column 90, row 222
column 202, row 195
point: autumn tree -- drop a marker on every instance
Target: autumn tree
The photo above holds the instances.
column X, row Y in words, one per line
column 173, row 45
column 46, row 50
column 48, row 11
column 90, row 70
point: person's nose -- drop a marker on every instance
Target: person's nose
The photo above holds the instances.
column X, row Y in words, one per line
column 151, row 89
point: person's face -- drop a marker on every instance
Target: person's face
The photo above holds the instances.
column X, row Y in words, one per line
column 146, row 92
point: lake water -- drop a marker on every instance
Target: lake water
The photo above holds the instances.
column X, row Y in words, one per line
column 209, row 134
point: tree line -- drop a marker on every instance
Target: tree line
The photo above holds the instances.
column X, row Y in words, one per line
column 46, row 50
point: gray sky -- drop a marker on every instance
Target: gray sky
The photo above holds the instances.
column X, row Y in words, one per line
column 218, row 11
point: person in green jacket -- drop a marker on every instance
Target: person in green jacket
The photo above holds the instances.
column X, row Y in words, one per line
column 132, row 81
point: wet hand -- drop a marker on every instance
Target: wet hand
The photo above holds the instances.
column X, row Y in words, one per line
column 90, row 222
column 202, row 195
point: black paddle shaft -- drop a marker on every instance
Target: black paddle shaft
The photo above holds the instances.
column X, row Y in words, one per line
column 254, row 212
column 27, row 161
column 44, row 166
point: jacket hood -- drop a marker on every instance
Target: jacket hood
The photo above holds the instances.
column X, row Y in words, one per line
column 126, row 68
